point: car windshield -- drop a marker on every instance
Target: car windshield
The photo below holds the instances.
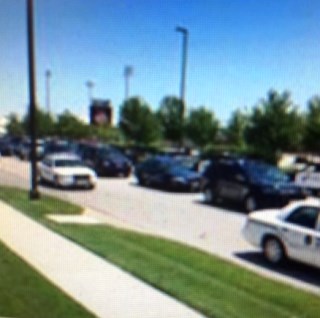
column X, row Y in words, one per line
column 264, row 172
column 69, row 163
column 176, row 168
column 110, row 153
column 115, row 156
column 188, row 162
column 59, row 148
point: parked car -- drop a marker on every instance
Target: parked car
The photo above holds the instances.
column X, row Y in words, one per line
column 6, row 147
column 292, row 164
column 25, row 149
column 105, row 160
column 16, row 141
column 291, row 232
column 59, row 146
column 190, row 162
column 309, row 178
column 167, row 173
column 66, row 170
column 251, row 183
column 194, row 163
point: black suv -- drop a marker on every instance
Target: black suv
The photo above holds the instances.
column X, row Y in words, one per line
column 253, row 184
column 105, row 160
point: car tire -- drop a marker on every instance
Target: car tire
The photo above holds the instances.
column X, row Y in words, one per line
column 315, row 193
column 273, row 251
column 141, row 180
column 147, row 182
column 250, row 203
column 127, row 174
column 209, row 196
column 39, row 178
column 91, row 187
column 56, row 183
column 99, row 171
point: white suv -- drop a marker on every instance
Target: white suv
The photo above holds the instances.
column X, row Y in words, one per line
column 309, row 179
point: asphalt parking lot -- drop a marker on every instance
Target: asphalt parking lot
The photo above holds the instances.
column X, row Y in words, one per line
column 179, row 216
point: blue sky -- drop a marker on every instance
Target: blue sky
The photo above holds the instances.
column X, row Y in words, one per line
column 238, row 50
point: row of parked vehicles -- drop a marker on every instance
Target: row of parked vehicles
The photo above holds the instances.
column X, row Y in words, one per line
column 20, row 147
column 246, row 182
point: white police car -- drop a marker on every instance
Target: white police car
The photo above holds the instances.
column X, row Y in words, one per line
column 291, row 232
column 66, row 170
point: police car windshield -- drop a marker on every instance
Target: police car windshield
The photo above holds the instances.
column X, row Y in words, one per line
column 69, row 163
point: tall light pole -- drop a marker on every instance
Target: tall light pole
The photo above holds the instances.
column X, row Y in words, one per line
column 33, row 194
column 90, row 86
column 128, row 71
column 48, row 77
column 185, row 35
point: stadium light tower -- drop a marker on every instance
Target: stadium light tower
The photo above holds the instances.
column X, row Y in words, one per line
column 128, row 71
column 90, row 86
column 48, row 77
column 185, row 36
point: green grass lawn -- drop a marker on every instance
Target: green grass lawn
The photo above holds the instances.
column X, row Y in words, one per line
column 204, row 282
column 24, row 293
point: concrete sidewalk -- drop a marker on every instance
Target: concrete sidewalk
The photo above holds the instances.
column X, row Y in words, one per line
column 99, row 286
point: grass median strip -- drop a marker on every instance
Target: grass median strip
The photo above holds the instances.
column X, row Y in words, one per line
column 204, row 282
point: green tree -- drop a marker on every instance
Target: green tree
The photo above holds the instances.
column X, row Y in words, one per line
column 69, row 126
column 138, row 123
column 201, row 126
column 236, row 128
column 171, row 118
column 275, row 125
column 15, row 126
column 312, row 128
column 44, row 123
column 107, row 134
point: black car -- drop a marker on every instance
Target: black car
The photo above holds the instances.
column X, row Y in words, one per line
column 164, row 172
column 25, row 149
column 105, row 160
column 253, row 184
column 6, row 147
column 59, row 146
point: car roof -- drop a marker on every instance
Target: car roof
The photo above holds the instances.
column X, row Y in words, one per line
column 163, row 158
column 310, row 201
column 63, row 156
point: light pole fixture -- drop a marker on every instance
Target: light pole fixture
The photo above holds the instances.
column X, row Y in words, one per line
column 48, row 77
column 90, row 85
column 128, row 71
column 33, row 194
column 185, row 35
